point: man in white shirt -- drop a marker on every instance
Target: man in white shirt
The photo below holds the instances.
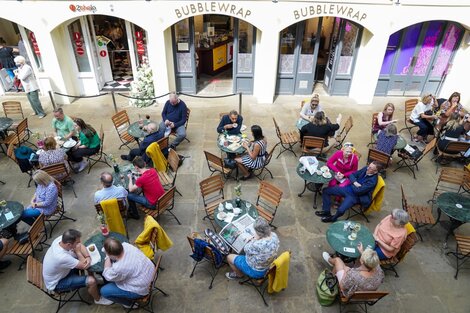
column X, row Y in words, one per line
column 109, row 191
column 65, row 256
column 129, row 272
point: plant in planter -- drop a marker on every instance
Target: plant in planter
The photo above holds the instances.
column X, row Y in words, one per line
column 238, row 193
column 103, row 227
column 142, row 86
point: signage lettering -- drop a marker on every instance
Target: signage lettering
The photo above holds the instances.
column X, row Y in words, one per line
column 330, row 9
column 82, row 8
column 212, row 7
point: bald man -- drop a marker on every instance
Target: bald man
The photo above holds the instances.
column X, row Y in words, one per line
column 109, row 191
column 152, row 137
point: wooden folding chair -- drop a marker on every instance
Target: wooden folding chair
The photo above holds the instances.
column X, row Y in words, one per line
column 389, row 264
column 173, row 131
column 453, row 151
column 59, row 213
column 410, row 162
column 122, row 209
column 359, row 209
column 163, row 143
column 209, row 257
column 450, row 180
column 341, row 137
column 259, row 172
column 13, row 108
column 212, row 192
column 287, row 140
column 165, row 203
column 361, row 298
column 420, row 215
column 379, row 156
column 313, row 146
column 216, row 164
column 121, row 124
column 19, row 135
column 58, row 170
column 168, row 178
column 11, row 155
column 269, row 198
column 146, row 302
column 462, row 251
column 100, row 156
column 372, row 134
column 36, row 238
column 34, row 277
column 409, row 106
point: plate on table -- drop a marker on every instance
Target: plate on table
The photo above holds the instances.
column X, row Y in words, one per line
column 234, row 146
column 327, row 175
column 94, row 254
column 70, row 144
column 318, row 172
column 233, row 138
column 324, row 169
column 221, row 215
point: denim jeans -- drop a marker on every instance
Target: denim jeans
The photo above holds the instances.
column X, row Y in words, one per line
column 114, row 293
column 180, row 133
column 33, row 98
column 425, row 128
column 30, row 215
column 134, row 198
column 349, row 200
column 72, row 281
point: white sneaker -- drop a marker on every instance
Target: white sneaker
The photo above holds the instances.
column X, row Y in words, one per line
column 104, row 301
column 326, row 257
column 82, row 165
column 134, row 306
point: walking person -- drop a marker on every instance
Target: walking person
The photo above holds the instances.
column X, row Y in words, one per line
column 30, row 85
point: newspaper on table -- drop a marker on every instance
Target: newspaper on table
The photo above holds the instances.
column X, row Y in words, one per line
column 237, row 233
column 310, row 163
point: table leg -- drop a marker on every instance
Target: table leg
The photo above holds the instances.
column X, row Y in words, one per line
column 317, row 191
column 454, row 224
column 305, row 188
column 438, row 217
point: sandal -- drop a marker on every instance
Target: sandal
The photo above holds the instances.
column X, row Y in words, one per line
column 232, row 275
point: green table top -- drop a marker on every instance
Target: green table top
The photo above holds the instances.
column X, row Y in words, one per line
column 455, row 205
column 121, row 179
column 401, row 142
column 252, row 211
column 226, row 142
column 15, row 208
column 135, row 131
column 315, row 178
column 301, row 123
column 337, row 236
column 5, row 122
column 98, row 239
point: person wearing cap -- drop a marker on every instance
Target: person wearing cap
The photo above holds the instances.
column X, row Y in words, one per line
column 310, row 108
column 343, row 162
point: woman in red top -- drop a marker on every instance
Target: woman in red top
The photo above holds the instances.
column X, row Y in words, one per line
column 343, row 162
column 150, row 184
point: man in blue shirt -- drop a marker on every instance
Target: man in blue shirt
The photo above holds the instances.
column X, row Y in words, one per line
column 231, row 123
column 360, row 191
column 174, row 118
column 109, row 191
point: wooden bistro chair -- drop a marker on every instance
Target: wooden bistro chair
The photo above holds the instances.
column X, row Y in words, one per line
column 36, row 238
column 59, row 213
column 216, row 164
column 454, row 151
column 100, row 156
column 269, row 198
column 34, row 277
column 379, row 156
column 287, row 140
column 261, row 172
column 450, row 180
column 122, row 209
column 209, row 257
column 165, row 203
column 121, row 124
column 390, row 264
column 420, row 215
column 361, row 298
column 359, row 209
column 173, row 131
column 168, row 177
column 409, row 106
column 212, row 192
column 11, row 108
column 163, row 143
column 408, row 161
column 60, row 170
column 313, row 146
column 341, row 137
column 462, row 251
column 374, row 121
column 19, row 135
column 11, row 155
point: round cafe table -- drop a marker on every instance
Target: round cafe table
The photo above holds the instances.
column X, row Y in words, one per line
column 250, row 209
column 457, row 207
column 5, row 122
column 135, row 131
column 120, row 178
column 301, row 123
column 98, row 239
column 313, row 182
column 224, row 142
column 16, row 209
column 337, row 236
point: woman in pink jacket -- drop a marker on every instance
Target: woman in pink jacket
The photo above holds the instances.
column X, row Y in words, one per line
column 343, row 162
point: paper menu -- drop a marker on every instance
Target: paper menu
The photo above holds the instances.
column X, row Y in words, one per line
column 9, row 216
column 95, row 254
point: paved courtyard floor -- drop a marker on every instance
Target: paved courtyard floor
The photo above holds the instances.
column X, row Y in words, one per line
column 426, row 282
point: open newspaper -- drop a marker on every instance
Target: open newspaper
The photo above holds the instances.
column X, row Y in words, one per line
column 237, row 233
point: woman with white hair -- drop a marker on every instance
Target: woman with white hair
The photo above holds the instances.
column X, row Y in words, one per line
column 366, row 277
column 260, row 252
column 343, row 162
column 390, row 234
column 30, row 85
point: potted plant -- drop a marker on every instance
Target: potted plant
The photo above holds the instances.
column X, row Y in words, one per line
column 103, row 227
column 238, row 193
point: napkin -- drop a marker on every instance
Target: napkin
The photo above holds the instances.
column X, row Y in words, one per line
column 229, row 218
column 310, row 163
column 234, row 146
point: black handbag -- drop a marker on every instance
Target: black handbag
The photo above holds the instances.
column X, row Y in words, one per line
column 230, row 163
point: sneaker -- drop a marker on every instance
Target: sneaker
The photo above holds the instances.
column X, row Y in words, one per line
column 326, row 257
column 42, row 116
column 4, row 264
column 232, row 275
column 134, row 306
column 124, row 157
column 82, row 165
column 104, row 301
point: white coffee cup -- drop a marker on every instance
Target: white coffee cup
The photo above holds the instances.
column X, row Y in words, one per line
column 221, row 207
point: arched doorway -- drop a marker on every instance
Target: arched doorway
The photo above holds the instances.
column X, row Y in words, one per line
column 214, row 49
column 23, row 42
column 418, row 58
column 105, row 52
column 317, row 50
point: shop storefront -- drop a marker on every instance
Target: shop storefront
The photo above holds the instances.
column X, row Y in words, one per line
column 357, row 48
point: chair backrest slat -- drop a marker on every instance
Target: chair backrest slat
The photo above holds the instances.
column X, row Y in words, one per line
column 12, row 107
column 377, row 155
column 409, row 106
column 166, row 201
column 173, row 160
column 163, row 143
column 311, row 142
column 212, row 158
column 120, row 119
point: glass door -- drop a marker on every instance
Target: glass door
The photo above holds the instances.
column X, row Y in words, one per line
column 102, row 76
column 184, row 55
column 243, row 56
column 287, row 67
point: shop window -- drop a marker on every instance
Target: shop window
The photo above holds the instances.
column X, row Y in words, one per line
column 334, row 43
column 36, row 53
column 183, row 55
column 287, row 49
column 451, row 39
column 245, row 47
column 392, row 48
column 79, row 47
column 429, row 44
column 408, row 49
column 347, row 51
column 308, row 46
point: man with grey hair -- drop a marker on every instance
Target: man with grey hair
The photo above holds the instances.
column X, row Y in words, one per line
column 152, row 136
column 230, row 123
column 174, row 115
column 109, row 191
column 30, row 85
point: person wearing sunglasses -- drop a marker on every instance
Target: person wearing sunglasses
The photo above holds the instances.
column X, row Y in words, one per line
column 343, row 162
column 309, row 109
